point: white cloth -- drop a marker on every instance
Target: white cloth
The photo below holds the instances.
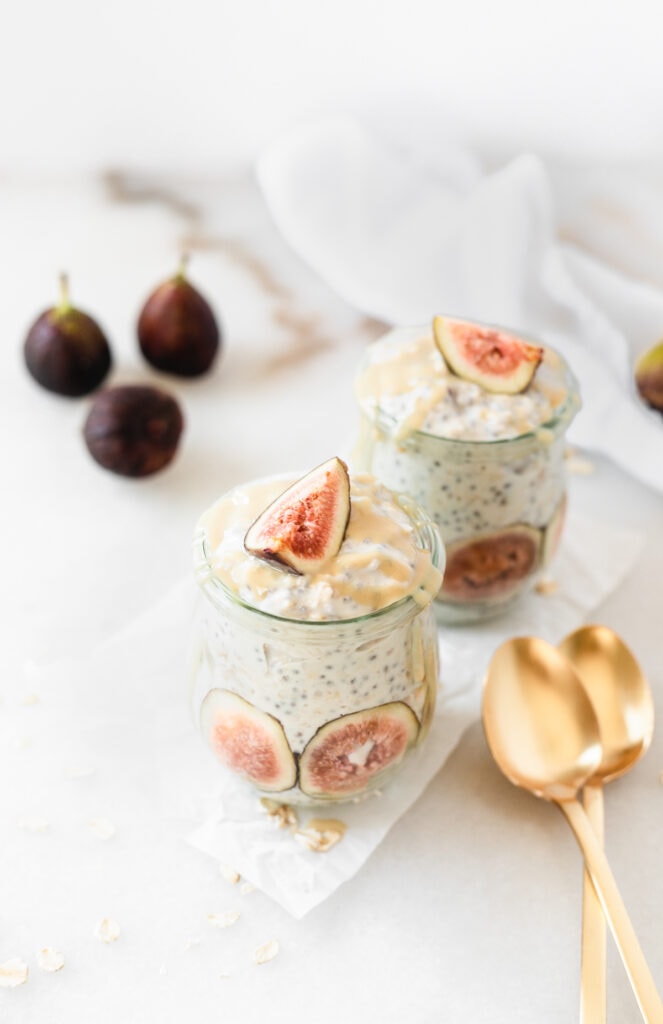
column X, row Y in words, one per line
column 406, row 235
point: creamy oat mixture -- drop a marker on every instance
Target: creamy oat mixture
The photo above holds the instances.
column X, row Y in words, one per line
column 409, row 381
column 379, row 561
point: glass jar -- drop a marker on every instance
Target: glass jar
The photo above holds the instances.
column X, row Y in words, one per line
column 499, row 504
column 314, row 711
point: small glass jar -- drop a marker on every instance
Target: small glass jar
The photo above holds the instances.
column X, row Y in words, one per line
column 314, row 711
column 499, row 504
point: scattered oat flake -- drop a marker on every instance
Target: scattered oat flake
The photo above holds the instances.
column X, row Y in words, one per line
column 321, row 834
column 31, row 698
column 225, row 919
column 579, row 466
column 190, row 943
column 102, row 827
column 24, row 742
column 246, row 888
column 263, row 954
column 34, row 824
column 547, row 586
column 108, row 930
column 13, row 973
column 50, row 959
column 283, row 814
column 229, row 874
column 78, row 771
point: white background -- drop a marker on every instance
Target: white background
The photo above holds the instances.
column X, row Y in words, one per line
column 470, row 909
column 160, row 83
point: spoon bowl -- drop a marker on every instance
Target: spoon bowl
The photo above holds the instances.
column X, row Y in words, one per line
column 619, row 693
column 539, row 722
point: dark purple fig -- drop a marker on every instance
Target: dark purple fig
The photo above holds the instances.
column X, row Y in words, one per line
column 177, row 330
column 248, row 740
column 349, row 753
column 133, row 430
column 65, row 349
column 304, row 527
column 497, row 361
column 491, row 566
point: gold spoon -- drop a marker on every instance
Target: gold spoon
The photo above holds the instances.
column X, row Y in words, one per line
column 623, row 705
column 544, row 735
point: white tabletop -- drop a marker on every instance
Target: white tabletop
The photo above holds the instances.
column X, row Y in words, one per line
column 470, row 909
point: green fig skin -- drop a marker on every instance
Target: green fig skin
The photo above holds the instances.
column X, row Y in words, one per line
column 177, row 330
column 649, row 377
column 66, row 352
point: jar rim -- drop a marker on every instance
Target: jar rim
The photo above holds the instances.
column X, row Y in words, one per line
column 214, row 588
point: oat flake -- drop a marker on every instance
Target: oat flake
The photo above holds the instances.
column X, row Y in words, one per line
column 284, row 815
column 224, row 920
column 229, row 874
column 31, row 698
column 547, row 586
column 78, row 771
column 102, row 827
column 50, row 960
column 246, row 888
column 34, row 824
column 108, row 930
column 263, row 954
column 580, row 467
column 13, row 973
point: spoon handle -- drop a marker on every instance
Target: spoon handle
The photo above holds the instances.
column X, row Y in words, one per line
column 632, row 956
column 593, row 1008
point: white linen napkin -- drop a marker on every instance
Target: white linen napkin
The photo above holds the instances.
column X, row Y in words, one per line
column 124, row 710
column 405, row 235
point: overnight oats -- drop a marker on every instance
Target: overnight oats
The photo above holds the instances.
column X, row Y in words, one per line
column 316, row 669
column 469, row 420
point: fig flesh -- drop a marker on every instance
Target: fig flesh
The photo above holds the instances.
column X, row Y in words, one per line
column 347, row 754
column 133, row 430
column 491, row 566
column 649, row 377
column 497, row 361
column 65, row 350
column 177, row 330
column 304, row 527
column 247, row 740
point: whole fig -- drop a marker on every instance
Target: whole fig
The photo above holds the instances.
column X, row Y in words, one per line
column 649, row 376
column 177, row 330
column 133, row 430
column 65, row 350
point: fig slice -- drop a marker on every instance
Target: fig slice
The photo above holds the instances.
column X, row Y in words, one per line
column 497, row 361
column 492, row 565
column 247, row 740
column 348, row 753
column 304, row 527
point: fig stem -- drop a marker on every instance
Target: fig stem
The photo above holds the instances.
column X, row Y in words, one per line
column 65, row 302
column 184, row 263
